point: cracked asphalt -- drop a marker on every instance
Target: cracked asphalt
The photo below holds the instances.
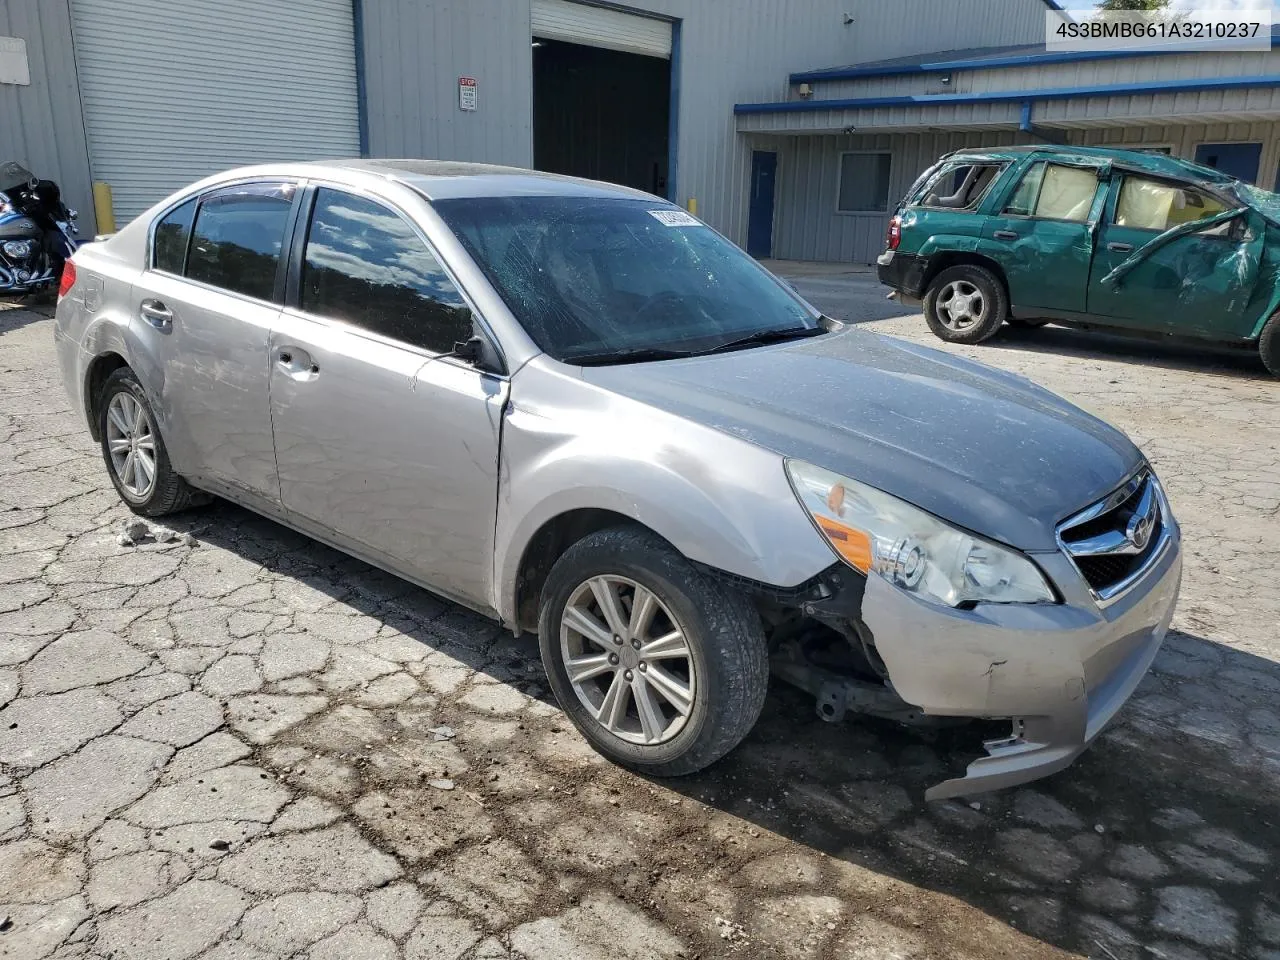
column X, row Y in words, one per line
column 243, row 745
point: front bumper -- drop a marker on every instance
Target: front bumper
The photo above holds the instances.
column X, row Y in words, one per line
column 1060, row 671
column 903, row 272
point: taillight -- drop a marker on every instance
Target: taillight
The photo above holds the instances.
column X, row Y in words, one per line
column 67, row 280
column 894, row 236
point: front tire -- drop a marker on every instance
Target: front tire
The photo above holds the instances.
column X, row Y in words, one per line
column 134, row 451
column 1269, row 345
column 662, row 668
column 965, row 304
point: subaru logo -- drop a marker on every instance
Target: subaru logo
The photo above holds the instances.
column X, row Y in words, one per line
column 1140, row 528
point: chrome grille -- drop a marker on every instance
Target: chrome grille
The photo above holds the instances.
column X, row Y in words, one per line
column 1113, row 541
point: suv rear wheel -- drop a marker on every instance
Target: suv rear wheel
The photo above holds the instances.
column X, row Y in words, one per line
column 965, row 304
column 662, row 668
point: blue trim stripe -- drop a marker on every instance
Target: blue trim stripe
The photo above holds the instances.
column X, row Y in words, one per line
column 974, row 63
column 1001, row 96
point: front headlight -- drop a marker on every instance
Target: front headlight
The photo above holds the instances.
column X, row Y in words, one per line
column 877, row 533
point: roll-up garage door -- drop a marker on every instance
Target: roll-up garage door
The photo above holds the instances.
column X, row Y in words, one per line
column 174, row 90
column 601, row 27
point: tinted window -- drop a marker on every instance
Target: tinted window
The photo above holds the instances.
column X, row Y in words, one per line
column 1154, row 205
column 237, row 239
column 172, row 234
column 864, row 182
column 1055, row 192
column 588, row 276
column 364, row 264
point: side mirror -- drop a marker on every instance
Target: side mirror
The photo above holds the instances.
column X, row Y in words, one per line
column 469, row 351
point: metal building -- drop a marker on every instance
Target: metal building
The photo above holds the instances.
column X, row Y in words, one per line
column 718, row 104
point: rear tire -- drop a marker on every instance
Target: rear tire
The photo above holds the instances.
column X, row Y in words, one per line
column 134, row 451
column 1269, row 345
column 699, row 633
column 965, row 304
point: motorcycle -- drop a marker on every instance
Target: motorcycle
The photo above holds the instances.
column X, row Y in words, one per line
column 37, row 231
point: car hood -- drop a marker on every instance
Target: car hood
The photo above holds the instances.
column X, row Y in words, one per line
column 984, row 449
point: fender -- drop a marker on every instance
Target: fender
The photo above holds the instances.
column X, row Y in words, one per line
column 568, row 445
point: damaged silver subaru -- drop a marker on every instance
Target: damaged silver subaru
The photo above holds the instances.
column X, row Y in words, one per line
column 579, row 410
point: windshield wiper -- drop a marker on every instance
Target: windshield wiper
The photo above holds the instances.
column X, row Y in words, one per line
column 768, row 336
column 632, row 355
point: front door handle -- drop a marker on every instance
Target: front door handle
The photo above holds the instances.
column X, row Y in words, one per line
column 1005, row 235
column 156, row 314
column 1119, row 247
column 296, row 363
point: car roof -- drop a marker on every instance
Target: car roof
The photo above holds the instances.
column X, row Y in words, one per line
column 1158, row 164
column 450, row 179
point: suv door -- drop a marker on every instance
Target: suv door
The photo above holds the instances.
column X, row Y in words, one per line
column 202, row 313
column 381, row 437
column 1197, row 283
column 1042, row 236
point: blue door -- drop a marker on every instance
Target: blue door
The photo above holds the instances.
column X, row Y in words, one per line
column 1240, row 160
column 764, row 167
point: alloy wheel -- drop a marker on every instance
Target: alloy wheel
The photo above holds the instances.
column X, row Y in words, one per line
column 628, row 659
column 131, row 442
column 960, row 305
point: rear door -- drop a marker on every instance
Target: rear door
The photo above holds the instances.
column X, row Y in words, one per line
column 381, row 436
column 203, row 312
column 1042, row 235
column 1200, row 283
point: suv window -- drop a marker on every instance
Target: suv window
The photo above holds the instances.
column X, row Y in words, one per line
column 1155, row 205
column 172, row 234
column 237, row 238
column 1051, row 191
column 960, row 187
column 365, row 265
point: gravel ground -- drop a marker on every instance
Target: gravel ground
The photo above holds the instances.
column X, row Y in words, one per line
column 239, row 744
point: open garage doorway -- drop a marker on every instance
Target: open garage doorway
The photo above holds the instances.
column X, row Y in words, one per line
column 602, row 95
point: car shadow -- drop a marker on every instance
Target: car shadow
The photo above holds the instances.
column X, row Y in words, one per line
column 1161, row 841
column 1171, row 355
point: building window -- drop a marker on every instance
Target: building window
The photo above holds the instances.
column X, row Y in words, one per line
column 864, row 183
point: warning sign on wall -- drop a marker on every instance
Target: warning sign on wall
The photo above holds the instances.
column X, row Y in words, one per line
column 466, row 93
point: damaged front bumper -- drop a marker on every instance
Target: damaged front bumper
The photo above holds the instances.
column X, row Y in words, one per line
column 1059, row 671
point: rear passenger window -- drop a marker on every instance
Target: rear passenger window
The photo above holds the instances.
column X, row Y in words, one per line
column 960, row 187
column 237, row 238
column 364, row 264
column 172, row 234
column 1053, row 192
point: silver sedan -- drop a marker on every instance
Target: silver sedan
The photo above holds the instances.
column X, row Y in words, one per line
column 577, row 409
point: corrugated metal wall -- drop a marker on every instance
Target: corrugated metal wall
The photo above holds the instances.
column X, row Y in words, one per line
column 807, row 225
column 732, row 51
column 41, row 125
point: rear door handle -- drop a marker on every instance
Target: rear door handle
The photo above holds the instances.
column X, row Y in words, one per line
column 1005, row 235
column 1119, row 247
column 156, row 314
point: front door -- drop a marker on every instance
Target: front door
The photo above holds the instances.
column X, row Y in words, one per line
column 1200, row 282
column 1043, row 236
column 203, row 312
column 380, row 437
column 764, row 170
column 1239, row 160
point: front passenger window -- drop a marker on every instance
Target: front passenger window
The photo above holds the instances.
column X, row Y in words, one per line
column 365, row 265
column 237, row 238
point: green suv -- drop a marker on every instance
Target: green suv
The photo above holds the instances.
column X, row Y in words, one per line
column 1132, row 241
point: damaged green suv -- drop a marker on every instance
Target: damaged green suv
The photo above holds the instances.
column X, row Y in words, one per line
column 1091, row 237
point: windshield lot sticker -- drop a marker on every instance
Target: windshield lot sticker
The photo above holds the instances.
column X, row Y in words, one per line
column 675, row 218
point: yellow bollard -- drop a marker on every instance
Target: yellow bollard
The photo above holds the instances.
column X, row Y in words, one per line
column 693, row 205
column 102, row 211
